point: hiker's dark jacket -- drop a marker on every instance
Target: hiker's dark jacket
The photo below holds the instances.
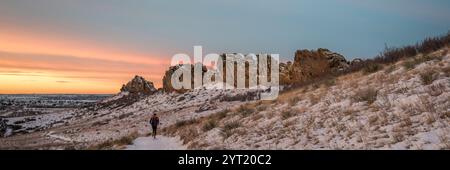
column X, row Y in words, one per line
column 154, row 121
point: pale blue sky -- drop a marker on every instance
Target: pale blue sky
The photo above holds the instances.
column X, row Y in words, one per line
column 355, row 28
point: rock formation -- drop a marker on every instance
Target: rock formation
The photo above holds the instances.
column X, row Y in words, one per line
column 167, row 83
column 308, row 64
column 311, row 64
column 139, row 86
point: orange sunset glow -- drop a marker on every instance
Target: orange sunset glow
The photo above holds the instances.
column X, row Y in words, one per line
column 35, row 63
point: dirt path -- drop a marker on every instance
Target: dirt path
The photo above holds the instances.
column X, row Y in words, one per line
column 160, row 143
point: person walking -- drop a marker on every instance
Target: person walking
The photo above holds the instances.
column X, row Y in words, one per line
column 154, row 122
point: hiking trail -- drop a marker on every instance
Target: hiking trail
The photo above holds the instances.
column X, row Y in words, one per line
column 160, row 143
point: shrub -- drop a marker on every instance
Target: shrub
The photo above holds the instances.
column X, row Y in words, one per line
column 188, row 135
column 410, row 64
column 182, row 123
column 368, row 95
column 428, row 77
column 231, row 125
column 220, row 115
column 126, row 140
column 372, row 68
column 245, row 110
column 228, row 128
column 223, row 114
column 210, row 124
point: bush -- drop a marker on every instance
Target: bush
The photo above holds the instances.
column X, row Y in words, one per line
column 231, row 125
column 372, row 68
column 410, row 64
column 228, row 128
column 182, row 123
column 393, row 54
column 428, row 77
column 222, row 114
column 368, row 95
column 210, row 124
column 189, row 134
column 245, row 110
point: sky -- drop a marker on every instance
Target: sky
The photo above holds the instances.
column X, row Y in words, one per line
column 95, row 46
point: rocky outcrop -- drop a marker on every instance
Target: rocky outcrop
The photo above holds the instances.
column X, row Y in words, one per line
column 139, row 86
column 167, row 83
column 309, row 64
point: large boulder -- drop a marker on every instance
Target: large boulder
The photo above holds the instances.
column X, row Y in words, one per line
column 310, row 64
column 139, row 86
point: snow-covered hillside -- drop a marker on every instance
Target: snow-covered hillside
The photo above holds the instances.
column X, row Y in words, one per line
column 402, row 106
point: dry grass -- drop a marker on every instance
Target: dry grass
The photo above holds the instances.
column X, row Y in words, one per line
column 245, row 110
column 110, row 144
column 208, row 125
column 220, row 115
column 368, row 95
column 182, row 123
column 228, row 128
column 425, row 105
column 372, row 68
column 412, row 63
column 428, row 77
column 188, row 134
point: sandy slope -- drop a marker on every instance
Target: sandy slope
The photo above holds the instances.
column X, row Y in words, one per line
column 160, row 143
